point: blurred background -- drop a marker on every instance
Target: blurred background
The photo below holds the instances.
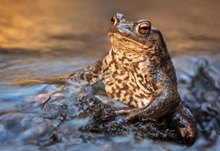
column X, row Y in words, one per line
column 44, row 38
column 74, row 26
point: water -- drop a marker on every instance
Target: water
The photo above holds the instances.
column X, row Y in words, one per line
column 43, row 39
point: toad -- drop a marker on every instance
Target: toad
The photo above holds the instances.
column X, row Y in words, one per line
column 138, row 72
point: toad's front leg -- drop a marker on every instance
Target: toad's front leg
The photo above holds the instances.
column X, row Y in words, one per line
column 88, row 79
column 164, row 99
column 90, row 75
column 166, row 105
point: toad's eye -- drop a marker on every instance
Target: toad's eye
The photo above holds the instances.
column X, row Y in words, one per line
column 144, row 27
column 114, row 20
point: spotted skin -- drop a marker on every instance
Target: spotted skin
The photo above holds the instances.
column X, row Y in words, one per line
column 123, row 83
column 139, row 72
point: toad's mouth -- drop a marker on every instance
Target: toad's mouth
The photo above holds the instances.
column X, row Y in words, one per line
column 122, row 37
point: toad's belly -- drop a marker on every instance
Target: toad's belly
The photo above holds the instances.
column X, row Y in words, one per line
column 129, row 89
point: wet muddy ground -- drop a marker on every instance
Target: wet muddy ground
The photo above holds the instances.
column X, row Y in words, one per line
column 43, row 39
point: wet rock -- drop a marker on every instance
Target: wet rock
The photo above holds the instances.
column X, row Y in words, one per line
column 64, row 116
column 202, row 97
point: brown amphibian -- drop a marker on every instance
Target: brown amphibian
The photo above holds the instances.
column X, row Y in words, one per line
column 138, row 72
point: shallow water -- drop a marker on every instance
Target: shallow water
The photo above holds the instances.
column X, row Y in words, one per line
column 42, row 39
